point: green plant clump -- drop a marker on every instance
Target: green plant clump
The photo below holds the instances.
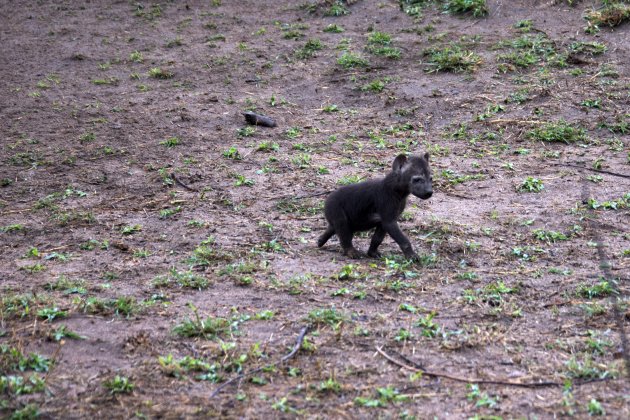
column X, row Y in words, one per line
column 558, row 131
column 477, row 8
column 452, row 59
column 613, row 14
column 309, row 49
column 531, row 184
column 350, row 60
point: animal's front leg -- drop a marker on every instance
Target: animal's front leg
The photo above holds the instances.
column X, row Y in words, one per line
column 394, row 231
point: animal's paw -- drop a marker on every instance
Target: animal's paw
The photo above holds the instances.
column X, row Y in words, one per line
column 412, row 256
column 374, row 254
column 352, row 253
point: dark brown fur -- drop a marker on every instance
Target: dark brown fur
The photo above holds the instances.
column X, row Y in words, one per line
column 257, row 119
column 377, row 204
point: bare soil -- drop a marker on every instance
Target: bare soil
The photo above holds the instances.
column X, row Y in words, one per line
column 103, row 100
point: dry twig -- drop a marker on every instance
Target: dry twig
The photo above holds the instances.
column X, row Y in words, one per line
column 419, row 369
column 298, row 345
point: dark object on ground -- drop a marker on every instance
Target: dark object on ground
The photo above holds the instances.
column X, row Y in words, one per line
column 377, row 204
column 180, row 183
column 257, row 119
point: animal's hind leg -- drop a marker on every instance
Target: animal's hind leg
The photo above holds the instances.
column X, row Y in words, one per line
column 345, row 238
column 330, row 231
column 377, row 239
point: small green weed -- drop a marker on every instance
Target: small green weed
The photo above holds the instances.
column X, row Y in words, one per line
column 349, row 179
column 376, row 85
column 158, row 73
column 477, row 8
column 337, row 9
column 558, row 131
column 489, row 112
column 136, row 57
column 87, row 137
column 620, row 203
column 50, row 314
column 379, row 38
column 309, row 49
column 207, row 253
column 379, row 43
column 293, row 132
column 595, row 408
column 598, row 290
column 110, row 81
column 245, row 132
column 12, row 228
column 330, row 385
column 585, row 368
column 526, row 253
column 403, row 335
column 592, row 103
column 186, row 279
column 300, row 207
column 593, row 48
column 166, row 213
column 232, row 153
column 350, row 60
column 209, row 328
column 454, row 179
column 612, row 14
column 482, row 399
column 451, row 59
column 119, row 385
column 385, row 395
column 430, row 329
column 18, row 385
column 525, row 25
column 414, row 7
column 130, row 229
column 328, row 316
column 549, row 236
column 620, row 126
column 349, row 272
column 268, row 146
column 531, row 184
column 170, row 142
column 62, row 332
column 333, row 28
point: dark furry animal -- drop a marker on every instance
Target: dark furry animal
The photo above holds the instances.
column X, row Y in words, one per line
column 377, row 204
column 257, row 119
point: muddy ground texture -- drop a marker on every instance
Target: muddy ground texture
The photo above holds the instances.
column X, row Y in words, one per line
column 126, row 294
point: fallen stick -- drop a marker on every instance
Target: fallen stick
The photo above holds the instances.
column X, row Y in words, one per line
column 180, row 183
column 296, row 347
column 416, row 368
column 601, row 171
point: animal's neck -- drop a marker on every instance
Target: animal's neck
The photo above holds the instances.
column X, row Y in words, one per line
column 392, row 183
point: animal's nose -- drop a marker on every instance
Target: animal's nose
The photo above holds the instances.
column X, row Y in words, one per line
column 427, row 195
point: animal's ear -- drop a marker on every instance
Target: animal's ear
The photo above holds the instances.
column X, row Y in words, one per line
column 426, row 156
column 399, row 162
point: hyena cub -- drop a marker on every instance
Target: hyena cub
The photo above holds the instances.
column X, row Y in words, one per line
column 377, row 204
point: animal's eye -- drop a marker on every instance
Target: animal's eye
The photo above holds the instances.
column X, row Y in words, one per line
column 416, row 179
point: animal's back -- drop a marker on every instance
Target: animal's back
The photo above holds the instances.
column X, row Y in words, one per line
column 356, row 204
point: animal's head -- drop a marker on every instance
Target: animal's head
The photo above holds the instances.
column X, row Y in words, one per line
column 414, row 175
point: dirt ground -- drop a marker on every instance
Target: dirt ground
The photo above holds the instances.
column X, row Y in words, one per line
column 126, row 294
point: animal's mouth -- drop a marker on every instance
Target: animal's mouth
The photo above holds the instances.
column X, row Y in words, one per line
column 426, row 195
